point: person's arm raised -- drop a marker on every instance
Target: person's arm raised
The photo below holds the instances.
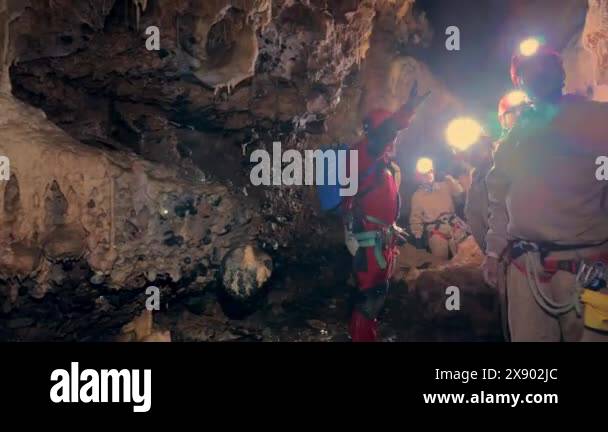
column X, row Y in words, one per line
column 382, row 136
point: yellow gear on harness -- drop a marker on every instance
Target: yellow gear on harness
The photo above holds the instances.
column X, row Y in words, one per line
column 596, row 309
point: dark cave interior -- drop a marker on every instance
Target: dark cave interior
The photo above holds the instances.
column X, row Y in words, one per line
column 149, row 183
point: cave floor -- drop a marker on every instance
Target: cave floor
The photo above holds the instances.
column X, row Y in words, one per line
column 322, row 316
column 309, row 303
column 318, row 316
column 307, row 300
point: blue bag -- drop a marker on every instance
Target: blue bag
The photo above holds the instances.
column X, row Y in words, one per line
column 328, row 194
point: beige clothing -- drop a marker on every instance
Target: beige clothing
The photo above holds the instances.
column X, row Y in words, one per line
column 501, row 292
column 476, row 207
column 528, row 321
column 441, row 246
column 466, row 180
column 542, row 186
column 427, row 206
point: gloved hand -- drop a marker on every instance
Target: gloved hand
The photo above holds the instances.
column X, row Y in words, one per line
column 490, row 271
column 401, row 235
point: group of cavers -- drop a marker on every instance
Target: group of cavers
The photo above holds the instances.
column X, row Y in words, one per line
column 533, row 205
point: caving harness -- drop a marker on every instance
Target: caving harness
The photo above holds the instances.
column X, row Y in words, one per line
column 591, row 276
column 380, row 239
column 459, row 228
column 384, row 237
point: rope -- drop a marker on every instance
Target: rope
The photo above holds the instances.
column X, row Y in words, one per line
column 548, row 305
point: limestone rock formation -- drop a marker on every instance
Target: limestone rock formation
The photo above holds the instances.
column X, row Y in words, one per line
column 595, row 38
column 586, row 55
column 230, row 77
column 141, row 329
column 133, row 165
column 245, row 271
column 130, row 219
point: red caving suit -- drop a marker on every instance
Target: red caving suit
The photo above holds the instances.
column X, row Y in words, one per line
column 377, row 199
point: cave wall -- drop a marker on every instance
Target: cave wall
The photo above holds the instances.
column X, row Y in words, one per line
column 595, row 38
column 234, row 76
column 208, row 48
column 130, row 219
column 586, row 56
column 195, row 103
column 136, row 166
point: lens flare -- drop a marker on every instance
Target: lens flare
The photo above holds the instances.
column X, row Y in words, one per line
column 424, row 165
column 462, row 133
column 529, row 47
column 516, row 97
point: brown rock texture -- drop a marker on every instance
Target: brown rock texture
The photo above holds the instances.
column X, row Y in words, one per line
column 595, row 38
column 196, row 103
column 586, row 55
column 130, row 219
column 131, row 168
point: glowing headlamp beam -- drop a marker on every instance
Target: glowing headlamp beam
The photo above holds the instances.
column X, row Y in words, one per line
column 529, row 47
column 424, row 165
column 462, row 133
column 516, row 97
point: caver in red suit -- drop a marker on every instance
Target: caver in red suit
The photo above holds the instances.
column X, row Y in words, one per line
column 373, row 212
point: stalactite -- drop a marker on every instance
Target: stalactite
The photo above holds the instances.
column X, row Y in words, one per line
column 140, row 8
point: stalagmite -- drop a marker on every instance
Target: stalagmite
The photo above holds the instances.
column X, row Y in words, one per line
column 245, row 271
column 141, row 329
